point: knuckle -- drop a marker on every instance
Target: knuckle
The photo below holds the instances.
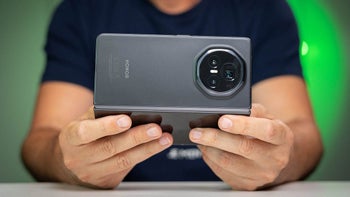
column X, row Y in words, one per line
column 63, row 138
column 271, row 132
column 289, row 136
column 107, row 146
column 103, row 126
column 245, row 126
column 253, row 110
column 68, row 133
column 211, row 137
column 148, row 151
column 135, row 139
column 250, row 187
column 106, row 184
column 282, row 162
column 246, row 146
column 246, row 186
column 70, row 163
column 122, row 162
column 80, row 132
column 257, row 110
column 84, row 177
column 268, row 177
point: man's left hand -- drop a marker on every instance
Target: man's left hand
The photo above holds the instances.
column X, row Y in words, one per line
column 246, row 152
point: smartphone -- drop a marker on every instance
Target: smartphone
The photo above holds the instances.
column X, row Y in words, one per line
column 177, row 81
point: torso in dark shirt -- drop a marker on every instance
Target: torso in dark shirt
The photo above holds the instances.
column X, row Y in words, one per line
column 75, row 25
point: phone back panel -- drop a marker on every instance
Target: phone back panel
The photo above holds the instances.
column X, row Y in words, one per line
column 156, row 74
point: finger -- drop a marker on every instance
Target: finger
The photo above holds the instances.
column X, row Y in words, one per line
column 271, row 131
column 86, row 131
column 259, row 111
column 232, row 169
column 109, row 146
column 131, row 157
column 249, row 148
column 240, row 173
column 228, row 162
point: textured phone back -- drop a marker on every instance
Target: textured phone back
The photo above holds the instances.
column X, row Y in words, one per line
column 157, row 73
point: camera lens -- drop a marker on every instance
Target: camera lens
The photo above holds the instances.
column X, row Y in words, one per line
column 228, row 72
column 213, row 82
column 214, row 61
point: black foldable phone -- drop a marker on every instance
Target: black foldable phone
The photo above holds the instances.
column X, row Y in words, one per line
column 180, row 82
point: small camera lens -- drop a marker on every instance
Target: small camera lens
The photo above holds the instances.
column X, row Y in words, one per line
column 214, row 61
column 213, row 82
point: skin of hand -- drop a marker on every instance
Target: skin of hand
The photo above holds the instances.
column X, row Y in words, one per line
column 247, row 152
column 254, row 152
column 67, row 144
column 257, row 151
column 101, row 152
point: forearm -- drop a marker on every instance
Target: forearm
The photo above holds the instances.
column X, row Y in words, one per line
column 40, row 154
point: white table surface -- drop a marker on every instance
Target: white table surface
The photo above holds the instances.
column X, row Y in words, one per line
column 181, row 189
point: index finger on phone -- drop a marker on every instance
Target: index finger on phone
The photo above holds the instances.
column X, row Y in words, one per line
column 87, row 131
column 271, row 131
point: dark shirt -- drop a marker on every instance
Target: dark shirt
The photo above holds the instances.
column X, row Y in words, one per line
column 70, row 50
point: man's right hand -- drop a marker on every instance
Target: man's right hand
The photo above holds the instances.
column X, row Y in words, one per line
column 100, row 152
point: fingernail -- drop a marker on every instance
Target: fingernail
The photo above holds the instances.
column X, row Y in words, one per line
column 164, row 141
column 152, row 132
column 123, row 122
column 196, row 135
column 226, row 123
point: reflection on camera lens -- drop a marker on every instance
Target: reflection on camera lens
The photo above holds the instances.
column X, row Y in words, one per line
column 214, row 61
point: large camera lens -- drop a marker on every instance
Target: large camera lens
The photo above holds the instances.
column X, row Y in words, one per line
column 220, row 71
column 228, row 72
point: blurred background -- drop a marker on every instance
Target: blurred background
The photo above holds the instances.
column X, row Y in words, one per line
column 325, row 53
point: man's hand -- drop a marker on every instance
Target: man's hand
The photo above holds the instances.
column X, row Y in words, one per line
column 247, row 152
column 100, row 152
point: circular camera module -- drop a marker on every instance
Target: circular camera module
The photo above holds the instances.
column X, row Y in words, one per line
column 220, row 71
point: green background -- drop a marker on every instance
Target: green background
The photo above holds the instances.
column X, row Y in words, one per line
column 324, row 28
